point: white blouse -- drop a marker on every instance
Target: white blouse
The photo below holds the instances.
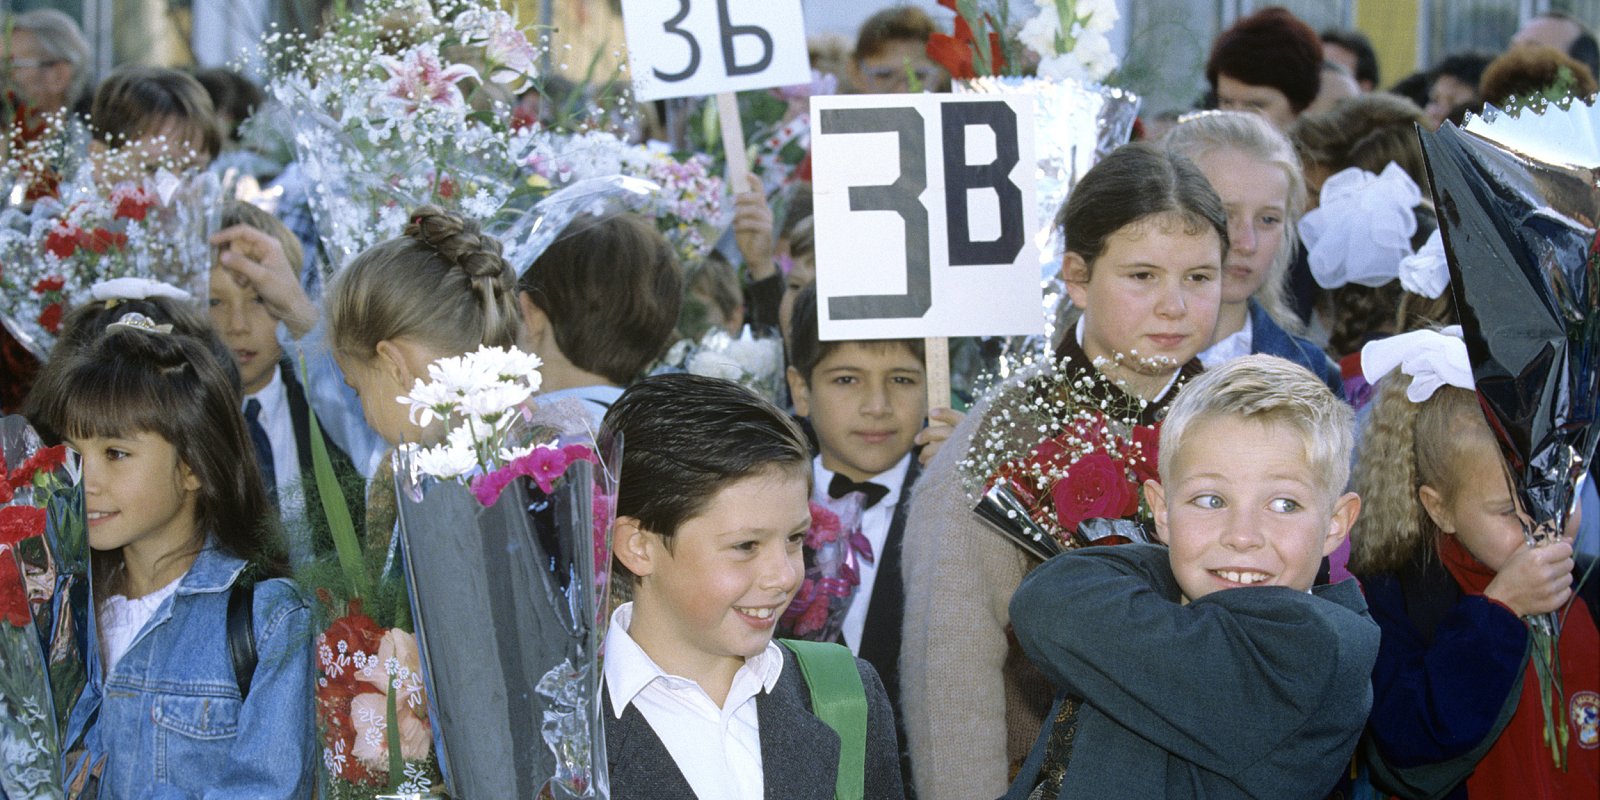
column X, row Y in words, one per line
column 119, row 621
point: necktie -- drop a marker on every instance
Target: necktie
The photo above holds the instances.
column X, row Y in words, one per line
column 872, row 493
column 263, row 448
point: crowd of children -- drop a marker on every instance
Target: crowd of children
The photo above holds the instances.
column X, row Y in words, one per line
column 1228, row 654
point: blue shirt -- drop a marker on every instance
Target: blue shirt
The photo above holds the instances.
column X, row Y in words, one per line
column 169, row 721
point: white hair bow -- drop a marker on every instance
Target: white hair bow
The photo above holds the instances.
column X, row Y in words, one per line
column 1431, row 358
column 1426, row 273
column 1362, row 228
column 135, row 289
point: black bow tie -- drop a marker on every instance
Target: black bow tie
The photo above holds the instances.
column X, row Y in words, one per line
column 872, row 492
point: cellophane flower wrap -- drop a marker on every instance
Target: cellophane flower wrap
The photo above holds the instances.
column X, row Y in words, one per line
column 505, row 540
column 43, row 608
column 752, row 359
column 108, row 219
column 834, row 548
column 1059, row 459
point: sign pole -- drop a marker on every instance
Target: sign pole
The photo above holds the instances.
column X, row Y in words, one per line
column 733, row 141
column 936, row 355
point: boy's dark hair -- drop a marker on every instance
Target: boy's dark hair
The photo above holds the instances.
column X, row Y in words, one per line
column 1358, row 43
column 686, row 437
column 238, row 212
column 1413, row 87
column 1134, row 182
column 1271, row 47
column 233, row 96
column 612, row 288
column 130, row 381
column 133, row 101
column 1466, row 66
column 893, row 24
column 806, row 351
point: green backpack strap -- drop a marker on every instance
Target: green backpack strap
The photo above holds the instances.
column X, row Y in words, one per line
column 839, row 699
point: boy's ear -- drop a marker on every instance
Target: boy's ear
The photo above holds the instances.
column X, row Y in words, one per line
column 1433, row 503
column 799, row 392
column 1075, row 274
column 1345, row 511
column 1156, row 496
column 630, row 542
column 534, row 320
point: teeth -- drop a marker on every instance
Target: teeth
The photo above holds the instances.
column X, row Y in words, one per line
column 758, row 613
column 98, row 514
column 1245, row 578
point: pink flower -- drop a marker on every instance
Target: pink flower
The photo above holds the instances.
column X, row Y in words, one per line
column 398, row 662
column 422, row 79
column 369, row 715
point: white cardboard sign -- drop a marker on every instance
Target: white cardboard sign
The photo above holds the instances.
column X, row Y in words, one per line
column 684, row 48
column 923, row 207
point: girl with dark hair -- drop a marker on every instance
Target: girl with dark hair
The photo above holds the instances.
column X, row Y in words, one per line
column 1145, row 237
column 201, row 677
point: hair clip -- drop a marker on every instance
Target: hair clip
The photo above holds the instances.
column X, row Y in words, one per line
column 1431, row 358
column 134, row 321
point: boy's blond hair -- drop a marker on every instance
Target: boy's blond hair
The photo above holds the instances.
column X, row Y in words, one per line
column 237, row 212
column 1271, row 391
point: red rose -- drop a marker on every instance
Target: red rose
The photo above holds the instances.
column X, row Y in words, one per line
column 101, row 240
column 1096, row 487
column 1146, row 453
column 20, row 522
column 52, row 283
column 50, row 317
column 13, row 591
column 62, row 241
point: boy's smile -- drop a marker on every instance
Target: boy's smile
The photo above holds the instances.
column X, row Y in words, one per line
column 1230, row 522
column 866, row 401
column 714, row 599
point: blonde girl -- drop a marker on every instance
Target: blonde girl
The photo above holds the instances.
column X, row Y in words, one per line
column 1254, row 169
column 1450, row 579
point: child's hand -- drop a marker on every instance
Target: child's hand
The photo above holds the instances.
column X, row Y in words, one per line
column 259, row 262
column 752, row 230
column 941, row 423
column 1535, row 580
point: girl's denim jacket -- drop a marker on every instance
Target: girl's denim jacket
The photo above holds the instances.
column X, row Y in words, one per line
column 169, row 722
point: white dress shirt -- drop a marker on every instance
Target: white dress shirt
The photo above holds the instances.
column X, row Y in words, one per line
column 279, row 424
column 875, row 524
column 1230, row 347
column 718, row 750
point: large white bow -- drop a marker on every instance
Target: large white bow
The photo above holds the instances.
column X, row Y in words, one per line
column 1363, row 227
column 1431, row 358
column 1426, row 273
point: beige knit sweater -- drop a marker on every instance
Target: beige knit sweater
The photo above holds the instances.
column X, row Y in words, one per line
column 973, row 703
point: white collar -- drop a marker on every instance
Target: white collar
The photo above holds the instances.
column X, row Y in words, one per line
column 629, row 669
column 892, row 479
column 272, row 395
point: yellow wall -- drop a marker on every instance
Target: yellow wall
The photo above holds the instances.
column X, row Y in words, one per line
column 1394, row 27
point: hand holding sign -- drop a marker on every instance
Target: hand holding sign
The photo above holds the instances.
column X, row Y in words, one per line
column 922, row 209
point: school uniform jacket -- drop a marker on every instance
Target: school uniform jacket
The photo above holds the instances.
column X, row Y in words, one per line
column 343, row 467
column 799, row 752
column 886, row 611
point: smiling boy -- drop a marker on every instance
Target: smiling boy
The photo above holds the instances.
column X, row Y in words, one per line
column 711, row 513
column 1172, row 686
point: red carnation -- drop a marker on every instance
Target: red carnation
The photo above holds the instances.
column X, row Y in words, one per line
column 50, row 317
column 20, row 522
column 62, row 241
column 51, row 283
column 1096, row 487
column 100, row 240
column 6, row 492
column 132, row 204
column 13, row 591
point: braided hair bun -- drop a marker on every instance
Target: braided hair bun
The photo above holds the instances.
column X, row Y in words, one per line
column 459, row 241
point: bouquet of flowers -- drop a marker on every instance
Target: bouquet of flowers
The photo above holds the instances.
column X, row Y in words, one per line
column 152, row 226
column 834, row 547
column 752, row 360
column 505, row 542
column 408, row 102
column 689, row 206
column 1058, row 465
column 1068, row 37
column 43, row 557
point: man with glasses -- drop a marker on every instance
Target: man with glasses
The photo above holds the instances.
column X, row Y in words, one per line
column 46, row 60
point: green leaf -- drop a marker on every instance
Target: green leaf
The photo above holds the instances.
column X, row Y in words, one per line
column 397, row 763
column 340, row 526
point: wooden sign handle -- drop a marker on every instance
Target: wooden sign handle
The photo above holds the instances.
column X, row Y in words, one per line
column 936, row 354
column 733, row 141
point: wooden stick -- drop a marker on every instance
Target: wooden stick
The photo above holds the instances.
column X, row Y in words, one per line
column 936, row 354
column 733, row 141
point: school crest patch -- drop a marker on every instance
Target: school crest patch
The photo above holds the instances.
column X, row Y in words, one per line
column 1585, row 712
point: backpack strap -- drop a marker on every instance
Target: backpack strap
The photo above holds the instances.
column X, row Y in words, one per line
column 839, row 699
column 242, row 634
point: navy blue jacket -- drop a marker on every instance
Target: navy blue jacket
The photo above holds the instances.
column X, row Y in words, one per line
column 1267, row 336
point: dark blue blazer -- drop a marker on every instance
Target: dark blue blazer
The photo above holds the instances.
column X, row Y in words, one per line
column 1268, row 337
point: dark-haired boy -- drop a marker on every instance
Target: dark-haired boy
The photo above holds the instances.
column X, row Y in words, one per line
column 866, row 401
column 598, row 306
column 699, row 699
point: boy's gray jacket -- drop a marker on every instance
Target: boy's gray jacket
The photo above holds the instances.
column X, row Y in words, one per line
column 1255, row 692
column 799, row 752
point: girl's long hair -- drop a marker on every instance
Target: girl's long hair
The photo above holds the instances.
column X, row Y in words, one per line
column 1407, row 446
column 129, row 382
